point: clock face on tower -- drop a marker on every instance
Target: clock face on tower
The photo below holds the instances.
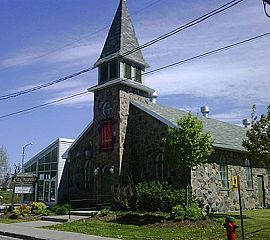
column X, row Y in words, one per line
column 107, row 109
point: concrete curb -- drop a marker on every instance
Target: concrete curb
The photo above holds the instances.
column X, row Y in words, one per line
column 20, row 236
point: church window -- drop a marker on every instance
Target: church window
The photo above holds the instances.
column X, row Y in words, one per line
column 248, row 172
column 106, row 136
column 107, row 109
column 87, row 175
column 104, row 72
column 159, row 167
column 138, row 76
column 113, row 69
column 127, row 71
column 224, row 173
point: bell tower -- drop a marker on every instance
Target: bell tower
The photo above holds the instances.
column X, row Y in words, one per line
column 121, row 67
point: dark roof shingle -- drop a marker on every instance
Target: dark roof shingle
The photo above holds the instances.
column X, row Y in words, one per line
column 225, row 135
column 121, row 39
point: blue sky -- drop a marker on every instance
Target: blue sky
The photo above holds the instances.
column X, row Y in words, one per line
column 42, row 41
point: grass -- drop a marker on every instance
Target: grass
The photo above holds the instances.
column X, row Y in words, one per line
column 256, row 224
column 9, row 221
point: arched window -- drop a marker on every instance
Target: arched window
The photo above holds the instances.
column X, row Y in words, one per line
column 223, row 167
column 248, row 172
column 87, row 175
column 159, row 167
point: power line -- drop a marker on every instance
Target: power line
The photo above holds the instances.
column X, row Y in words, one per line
column 16, row 94
column 147, row 73
column 160, row 38
column 44, row 105
column 152, row 3
column 187, row 25
column 209, row 53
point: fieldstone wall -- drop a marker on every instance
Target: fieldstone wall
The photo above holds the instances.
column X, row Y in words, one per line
column 206, row 185
column 86, row 155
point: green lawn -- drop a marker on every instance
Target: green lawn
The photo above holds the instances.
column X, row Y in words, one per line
column 256, row 224
column 8, row 221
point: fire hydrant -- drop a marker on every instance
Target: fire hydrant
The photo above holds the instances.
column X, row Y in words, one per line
column 230, row 228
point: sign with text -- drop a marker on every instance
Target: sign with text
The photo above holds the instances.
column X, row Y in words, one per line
column 26, row 189
column 24, row 178
column 235, row 182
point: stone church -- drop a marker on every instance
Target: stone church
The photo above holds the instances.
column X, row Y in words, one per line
column 124, row 140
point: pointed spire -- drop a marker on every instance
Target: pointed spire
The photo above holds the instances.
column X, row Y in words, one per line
column 121, row 39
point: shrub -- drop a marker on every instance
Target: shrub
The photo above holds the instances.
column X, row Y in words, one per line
column 61, row 210
column 157, row 196
column 194, row 212
column 22, row 210
column 38, row 208
column 104, row 212
column 178, row 213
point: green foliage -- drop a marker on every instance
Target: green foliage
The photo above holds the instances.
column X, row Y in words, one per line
column 194, row 212
column 187, row 146
column 34, row 208
column 61, row 210
column 157, row 196
column 104, row 212
column 258, row 138
column 38, row 208
column 22, row 210
column 3, row 161
column 178, row 213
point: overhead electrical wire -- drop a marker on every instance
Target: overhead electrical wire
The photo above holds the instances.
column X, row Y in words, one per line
column 152, row 3
column 160, row 38
column 45, row 104
column 146, row 73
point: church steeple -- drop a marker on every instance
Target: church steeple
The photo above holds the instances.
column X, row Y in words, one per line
column 121, row 39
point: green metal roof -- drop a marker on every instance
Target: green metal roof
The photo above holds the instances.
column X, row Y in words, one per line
column 225, row 135
column 121, row 39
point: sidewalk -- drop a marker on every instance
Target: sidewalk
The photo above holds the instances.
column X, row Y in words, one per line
column 29, row 230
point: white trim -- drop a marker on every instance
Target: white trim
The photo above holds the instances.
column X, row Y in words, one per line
column 65, row 155
column 42, row 152
column 126, row 82
column 153, row 114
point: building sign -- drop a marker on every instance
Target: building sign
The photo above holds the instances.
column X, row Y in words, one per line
column 26, row 189
column 106, row 135
column 235, row 182
column 24, row 178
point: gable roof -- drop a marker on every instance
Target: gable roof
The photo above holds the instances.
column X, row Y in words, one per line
column 121, row 39
column 225, row 135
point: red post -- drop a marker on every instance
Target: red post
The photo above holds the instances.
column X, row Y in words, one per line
column 230, row 228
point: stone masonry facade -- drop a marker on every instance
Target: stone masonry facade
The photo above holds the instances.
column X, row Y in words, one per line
column 207, row 187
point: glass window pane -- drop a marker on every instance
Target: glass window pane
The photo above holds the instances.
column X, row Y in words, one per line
column 138, row 76
column 42, row 160
column 127, row 71
column 53, row 166
column 54, row 155
column 113, row 69
column 48, row 158
column 104, row 72
column 41, row 167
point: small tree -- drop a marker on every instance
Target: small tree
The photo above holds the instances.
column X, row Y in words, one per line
column 3, row 163
column 187, row 146
column 258, row 138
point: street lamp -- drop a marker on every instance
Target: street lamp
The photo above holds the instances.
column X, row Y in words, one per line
column 23, row 153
